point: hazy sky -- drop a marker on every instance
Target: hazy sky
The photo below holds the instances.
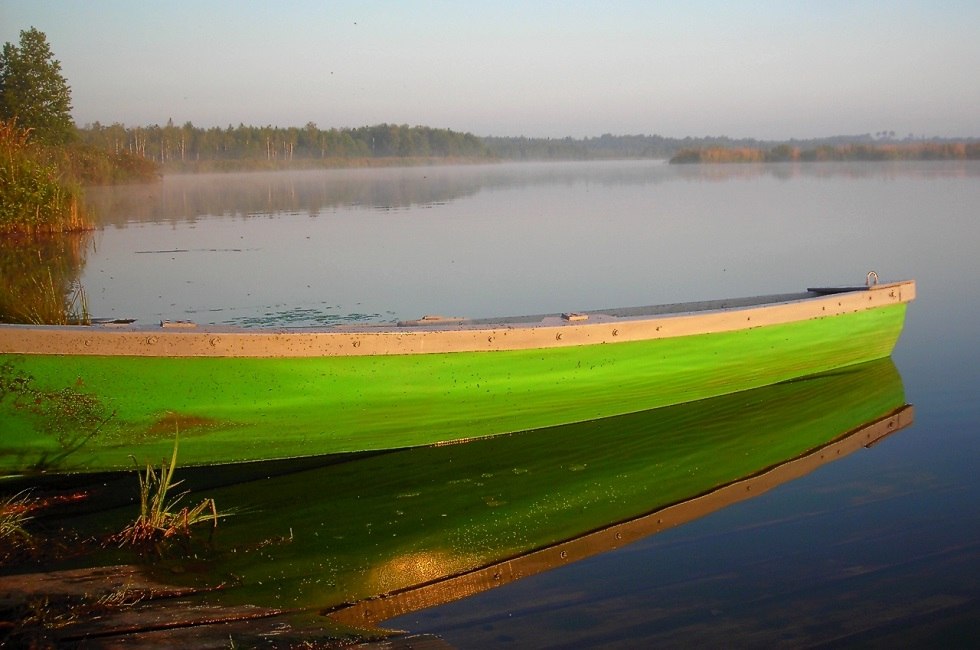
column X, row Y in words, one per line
column 776, row 69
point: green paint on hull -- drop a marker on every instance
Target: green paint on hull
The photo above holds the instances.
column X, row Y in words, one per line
column 242, row 409
column 392, row 521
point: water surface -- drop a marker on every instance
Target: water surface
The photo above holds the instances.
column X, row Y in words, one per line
column 878, row 547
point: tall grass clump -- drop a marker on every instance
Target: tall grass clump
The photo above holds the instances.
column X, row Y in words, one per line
column 34, row 196
column 49, row 303
column 14, row 513
column 161, row 516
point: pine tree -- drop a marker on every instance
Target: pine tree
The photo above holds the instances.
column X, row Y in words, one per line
column 33, row 90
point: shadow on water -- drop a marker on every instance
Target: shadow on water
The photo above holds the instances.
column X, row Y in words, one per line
column 331, row 548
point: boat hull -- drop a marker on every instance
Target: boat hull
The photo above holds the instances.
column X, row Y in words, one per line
column 229, row 409
column 412, row 528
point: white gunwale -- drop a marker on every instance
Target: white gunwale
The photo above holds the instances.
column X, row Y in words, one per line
column 452, row 335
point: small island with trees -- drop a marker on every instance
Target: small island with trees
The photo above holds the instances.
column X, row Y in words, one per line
column 847, row 151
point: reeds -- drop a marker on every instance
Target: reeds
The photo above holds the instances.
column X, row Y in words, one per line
column 34, row 196
column 14, row 514
column 161, row 518
column 39, row 279
column 47, row 303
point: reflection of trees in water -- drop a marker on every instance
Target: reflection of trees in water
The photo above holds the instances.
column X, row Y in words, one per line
column 188, row 197
column 185, row 198
column 39, row 278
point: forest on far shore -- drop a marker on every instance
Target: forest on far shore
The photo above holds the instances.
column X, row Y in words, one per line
column 190, row 148
column 46, row 159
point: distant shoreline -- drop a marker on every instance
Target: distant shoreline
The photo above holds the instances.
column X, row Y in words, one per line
column 253, row 165
column 831, row 153
column 190, row 149
column 697, row 157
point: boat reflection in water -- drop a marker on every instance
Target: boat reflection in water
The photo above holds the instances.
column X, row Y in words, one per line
column 385, row 534
column 353, row 543
column 622, row 479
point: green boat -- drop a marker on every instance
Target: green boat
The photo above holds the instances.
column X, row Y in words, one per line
column 357, row 541
column 93, row 398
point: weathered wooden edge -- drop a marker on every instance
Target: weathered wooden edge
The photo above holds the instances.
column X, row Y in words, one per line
column 550, row 332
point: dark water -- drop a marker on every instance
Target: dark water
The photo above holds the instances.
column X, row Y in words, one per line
column 881, row 547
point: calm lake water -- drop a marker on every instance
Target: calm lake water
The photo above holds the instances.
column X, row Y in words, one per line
column 879, row 547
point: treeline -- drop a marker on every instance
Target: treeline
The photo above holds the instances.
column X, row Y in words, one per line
column 191, row 148
column 604, row 147
column 172, row 144
column 270, row 146
column 840, row 152
column 725, row 149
